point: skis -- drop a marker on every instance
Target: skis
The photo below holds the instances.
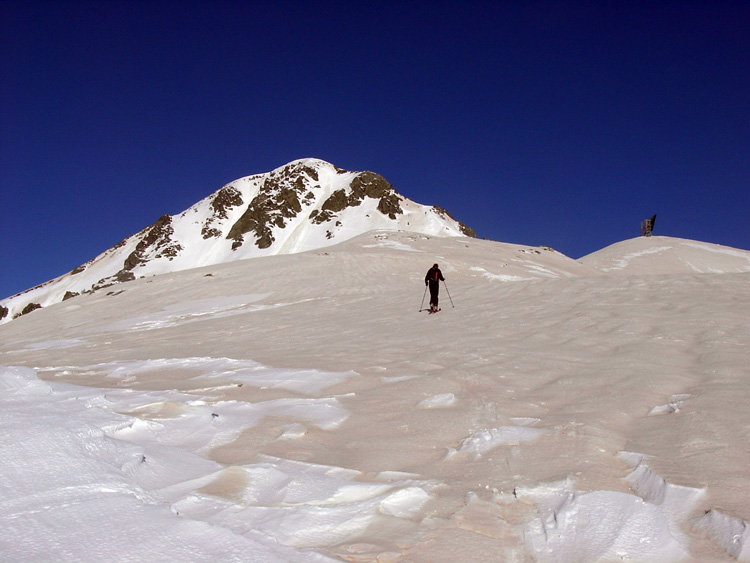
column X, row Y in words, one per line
column 431, row 311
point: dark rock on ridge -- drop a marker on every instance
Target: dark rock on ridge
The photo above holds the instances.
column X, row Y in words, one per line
column 465, row 229
column 120, row 277
column 226, row 198
column 157, row 240
column 365, row 184
column 280, row 198
column 28, row 309
column 287, row 191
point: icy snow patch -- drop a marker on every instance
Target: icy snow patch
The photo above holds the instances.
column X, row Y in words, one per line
column 202, row 426
column 405, row 503
column 538, row 268
column 524, row 421
column 55, row 344
column 308, row 381
column 441, row 401
column 671, row 407
column 625, row 260
column 500, row 277
column 485, row 440
column 191, row 311
column 397, row 378
column 293, row 431
column 608, row 525
column 676, row 502
column 718, row 250
column 306, row 505
column 392, row 244
column 597, row 526
column 731, row 534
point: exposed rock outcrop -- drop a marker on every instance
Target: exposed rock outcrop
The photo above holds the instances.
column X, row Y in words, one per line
column 226, row 199
column 279, row 199
column 155, row 243
column 28, row 309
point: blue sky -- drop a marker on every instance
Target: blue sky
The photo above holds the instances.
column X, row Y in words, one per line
column 541, row 122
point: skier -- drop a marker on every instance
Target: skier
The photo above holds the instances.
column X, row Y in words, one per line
column 433, row 278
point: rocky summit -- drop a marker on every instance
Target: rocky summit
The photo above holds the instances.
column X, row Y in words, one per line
column 304, row 205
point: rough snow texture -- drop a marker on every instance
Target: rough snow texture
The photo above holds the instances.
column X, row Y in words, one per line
column 305, row 205
column 558, row 413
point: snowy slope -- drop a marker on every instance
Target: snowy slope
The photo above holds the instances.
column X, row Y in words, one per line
column 300, row 408
column 668, row 255
column 304, row 205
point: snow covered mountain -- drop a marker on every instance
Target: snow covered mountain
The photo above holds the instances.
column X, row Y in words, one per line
column 553, row 412
column 305, row 205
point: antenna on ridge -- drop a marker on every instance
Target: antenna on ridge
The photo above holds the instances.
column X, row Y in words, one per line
column 647, row 226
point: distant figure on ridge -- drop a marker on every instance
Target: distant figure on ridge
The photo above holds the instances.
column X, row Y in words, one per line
column 433, row 278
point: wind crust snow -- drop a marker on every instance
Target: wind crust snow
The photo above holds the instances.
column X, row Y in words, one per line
column 331, row 415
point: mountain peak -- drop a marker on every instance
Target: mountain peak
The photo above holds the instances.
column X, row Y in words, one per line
column 303, row 205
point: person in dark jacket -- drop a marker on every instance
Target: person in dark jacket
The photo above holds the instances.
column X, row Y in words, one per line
column 432, row 279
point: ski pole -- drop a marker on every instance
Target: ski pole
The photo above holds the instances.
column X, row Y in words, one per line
column 449, row 294
column 425, row 293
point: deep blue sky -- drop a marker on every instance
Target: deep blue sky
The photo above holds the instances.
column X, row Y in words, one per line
column 535, row 122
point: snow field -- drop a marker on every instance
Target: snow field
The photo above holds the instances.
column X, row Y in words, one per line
column 350, row 425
